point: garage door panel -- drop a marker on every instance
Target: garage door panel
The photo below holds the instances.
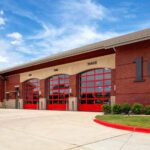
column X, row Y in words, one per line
column 31, row 90
column 31, row 106
column 90, row 107
column 57, row 92
column 56, row 106
column 94, row 89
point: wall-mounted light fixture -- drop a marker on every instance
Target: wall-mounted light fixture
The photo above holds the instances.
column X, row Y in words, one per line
column 30, row 75
column 40, row 93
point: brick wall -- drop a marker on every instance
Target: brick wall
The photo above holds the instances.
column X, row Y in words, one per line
column 127, row 90
column 1, row 89
column 20, row 90
column 42, row 88
column 11, row 82
column 113, row 82
column 73, row 84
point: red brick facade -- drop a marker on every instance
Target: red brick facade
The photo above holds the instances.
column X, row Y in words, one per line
column 42, row 88
column 73, row 85
column 124, row 86
column 113, row 82
column 1, row 89
column 11, row 82
column 127, row 90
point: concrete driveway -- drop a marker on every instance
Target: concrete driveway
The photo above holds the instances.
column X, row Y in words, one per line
column 59, row 130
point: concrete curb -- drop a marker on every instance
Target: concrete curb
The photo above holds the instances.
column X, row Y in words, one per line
column 123, row 127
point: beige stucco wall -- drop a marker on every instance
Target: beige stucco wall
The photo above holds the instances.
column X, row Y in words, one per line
column 72, row 103
column 113, row 99
column 42, row 103
column 1, row 105
column 107, row 61
column 10, row 103
column 20, row 104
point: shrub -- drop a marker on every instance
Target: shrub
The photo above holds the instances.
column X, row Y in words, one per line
column 125, row 108
column 147, row 110
column 106, row 108
column 117, row 109
column 137, row 108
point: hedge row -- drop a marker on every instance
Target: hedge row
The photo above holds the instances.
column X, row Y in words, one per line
column 125, row 108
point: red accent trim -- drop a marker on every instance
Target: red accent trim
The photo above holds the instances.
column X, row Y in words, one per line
column 31, row 106
column 123, row 127
column 56, row 106
column 90, row 107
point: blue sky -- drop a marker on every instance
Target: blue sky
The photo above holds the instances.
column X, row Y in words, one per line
column 31, row 29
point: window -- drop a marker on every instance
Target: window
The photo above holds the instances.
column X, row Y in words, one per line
column 139, row 68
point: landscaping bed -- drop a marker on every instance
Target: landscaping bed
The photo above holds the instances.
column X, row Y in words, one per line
column 136, row 121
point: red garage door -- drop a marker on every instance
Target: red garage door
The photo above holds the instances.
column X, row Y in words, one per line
column 94, row 89
column 58, row 92
column 31, row 94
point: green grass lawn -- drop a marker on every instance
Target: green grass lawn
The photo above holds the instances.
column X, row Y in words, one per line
column 138, row 121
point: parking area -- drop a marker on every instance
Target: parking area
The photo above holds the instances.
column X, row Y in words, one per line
column 60, row 130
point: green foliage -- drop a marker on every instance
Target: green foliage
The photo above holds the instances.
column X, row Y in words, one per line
column 147, row 110
column 116, row 109
column 137, row 108
column 125, row 108
column 138, row 121
column 106, row 108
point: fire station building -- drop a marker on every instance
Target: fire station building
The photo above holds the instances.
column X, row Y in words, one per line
column 116, row 70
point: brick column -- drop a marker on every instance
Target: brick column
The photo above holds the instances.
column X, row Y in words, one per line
column 20, row 90
column 113, row 83
column 73, row 80
column 73, row 85
column 42, row 101
column 20, row 106
column 113, row 79
column 1, row 91
column 42, row 88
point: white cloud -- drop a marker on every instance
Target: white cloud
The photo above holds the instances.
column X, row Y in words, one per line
column 79, row 27
column 1, row 12
column 15, row 35
column 8, row 57
column 16, row 38
column 3, row 59
column 85, row 10
column 2, row 21
column 52, row 41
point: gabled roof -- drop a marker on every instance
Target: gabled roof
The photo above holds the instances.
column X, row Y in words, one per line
column 106, row 44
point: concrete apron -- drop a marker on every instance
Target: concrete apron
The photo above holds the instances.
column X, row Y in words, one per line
column 63, row 130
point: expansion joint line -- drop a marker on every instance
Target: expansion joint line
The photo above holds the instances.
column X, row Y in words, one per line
column 97, row 141
column 123, row 145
